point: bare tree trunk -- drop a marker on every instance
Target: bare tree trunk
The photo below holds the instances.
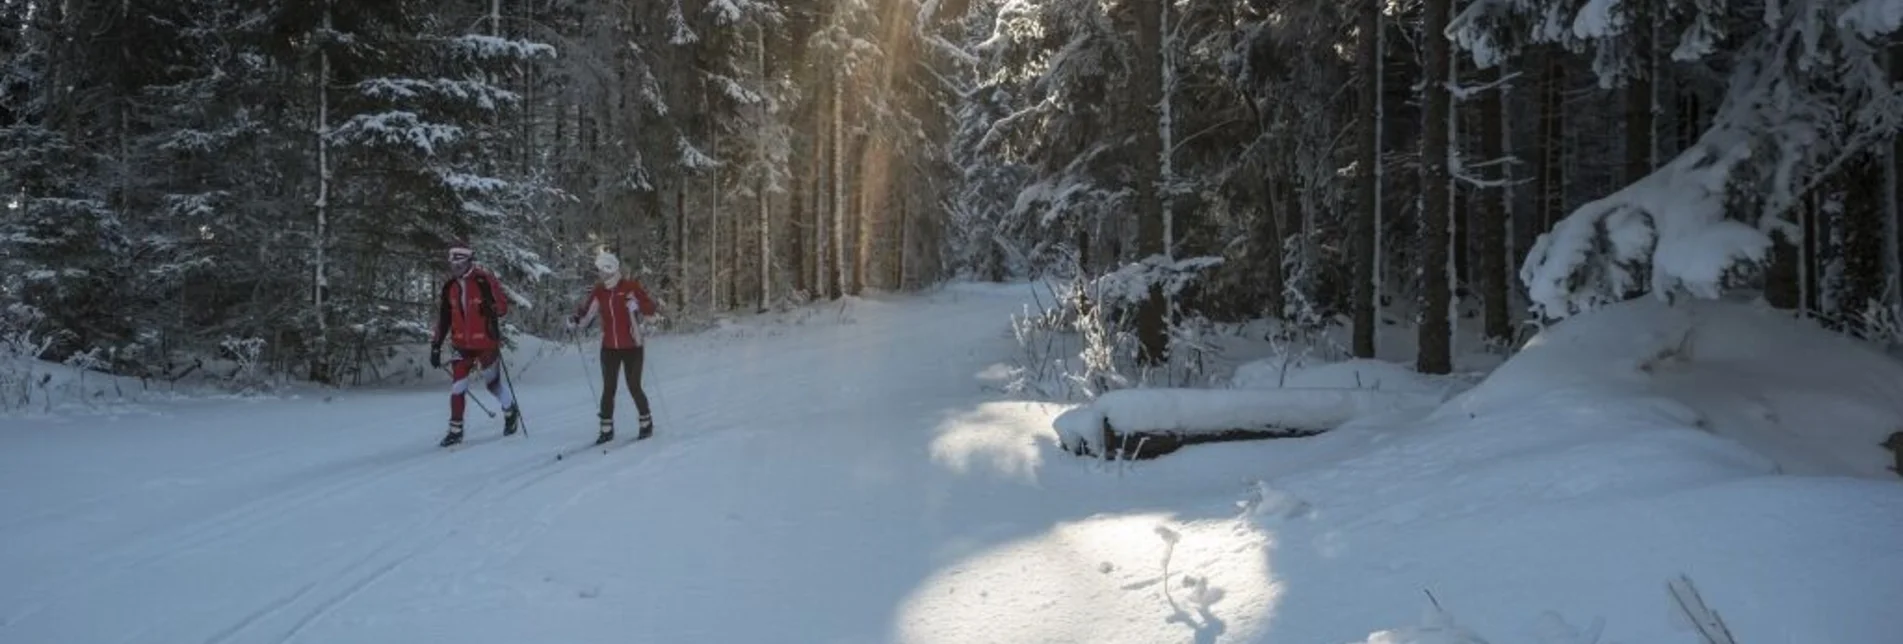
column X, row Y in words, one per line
column 1893, row 193
column 1781, row 275
column 1269, row 239
column 1551, row 181
column 1863, row 218
column 1367, row 280
column 840, row 265
column 680, row 242
column 713, row 218
column 766, row 222
column 1435, row 331
column 798, row 229
column 320, row 278
column 1638, row 98
column 1147, row 77
column 822, row 198
column 1491, row 226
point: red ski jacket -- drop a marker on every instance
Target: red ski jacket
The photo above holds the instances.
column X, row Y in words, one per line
column 621, row 308
column 469, row 310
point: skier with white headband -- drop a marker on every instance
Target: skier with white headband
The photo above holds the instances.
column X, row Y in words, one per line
column 621, row 303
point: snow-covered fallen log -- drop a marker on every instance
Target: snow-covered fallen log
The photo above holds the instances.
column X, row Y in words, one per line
column 1146, row 423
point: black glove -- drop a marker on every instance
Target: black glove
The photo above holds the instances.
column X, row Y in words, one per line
column 435, row 356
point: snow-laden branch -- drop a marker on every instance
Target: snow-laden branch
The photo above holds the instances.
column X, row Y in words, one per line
column 466, row 182
column 999, row 127
column 482, row 47
column 1672, row 224
column 734, row 89
column 693, row 158
column 485, row 95
column 1803, row 98
column 397, row 127
column 1130, row 284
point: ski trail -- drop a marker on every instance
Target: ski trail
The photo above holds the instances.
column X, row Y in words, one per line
column 353, row 523
column 263, row 612
column 227, row 526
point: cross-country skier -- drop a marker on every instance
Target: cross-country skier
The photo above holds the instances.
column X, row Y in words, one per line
column 469, row 312
column 621, row 303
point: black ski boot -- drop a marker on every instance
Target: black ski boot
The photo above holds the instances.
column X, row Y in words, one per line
column 607, row 431
column 455, row 434
column 511, row 420
column 647, row 427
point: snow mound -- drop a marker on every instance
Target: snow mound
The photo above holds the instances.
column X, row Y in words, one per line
column 1813, row 401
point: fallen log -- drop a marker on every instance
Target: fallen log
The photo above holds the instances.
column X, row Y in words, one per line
column 1147, row 444
column 1147, row 423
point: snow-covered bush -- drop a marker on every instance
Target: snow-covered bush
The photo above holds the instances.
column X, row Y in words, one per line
column 20, row 352
column 1881, row 323
column 1080, row 341
column 245, row 354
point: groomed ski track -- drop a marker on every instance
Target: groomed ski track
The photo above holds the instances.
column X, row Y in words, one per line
column 339, row 520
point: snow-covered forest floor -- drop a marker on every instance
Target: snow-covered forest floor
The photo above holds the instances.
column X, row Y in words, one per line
column 881, row 471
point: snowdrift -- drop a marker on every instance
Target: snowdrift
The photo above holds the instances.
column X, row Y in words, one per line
column 1811, row 400
column 1620, row 452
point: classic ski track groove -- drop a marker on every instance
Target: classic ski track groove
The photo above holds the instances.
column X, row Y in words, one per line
column 511, row 485
column 247, row 517
column 87, row 505
column 342, row 476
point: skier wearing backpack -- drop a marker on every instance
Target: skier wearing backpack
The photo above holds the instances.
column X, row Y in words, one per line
column 621, row 303
column 469, row 310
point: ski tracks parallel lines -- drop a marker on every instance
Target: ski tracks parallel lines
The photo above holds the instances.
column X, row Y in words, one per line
column 233, row 524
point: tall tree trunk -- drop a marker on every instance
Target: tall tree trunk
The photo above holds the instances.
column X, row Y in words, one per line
column 1368, row 157
column 1147, row 76
column 1638, row 97
column 713, row 216
column 680, row 242
column 1491, row 228
column 1816, row 241
column 902, row 266
column 765, row 222
column 1550, row 194
column 1268, row 242
column 1893, row 194
column 1781, row 275
column 799, row 229
column 873, row 191
column 822, row 198
column 320, row 277
column 1863, row 237
column 840, row 264
column 1435, row 331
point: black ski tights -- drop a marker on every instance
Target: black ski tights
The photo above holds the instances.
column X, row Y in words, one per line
column 628, row 362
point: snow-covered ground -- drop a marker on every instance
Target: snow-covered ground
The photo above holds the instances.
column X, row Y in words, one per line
column 853, row 478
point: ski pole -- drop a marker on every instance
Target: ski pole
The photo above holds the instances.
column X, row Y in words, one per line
column 521, row 419
column 582, row 355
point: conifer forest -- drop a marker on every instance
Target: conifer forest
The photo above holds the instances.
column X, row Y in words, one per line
column 181, row 177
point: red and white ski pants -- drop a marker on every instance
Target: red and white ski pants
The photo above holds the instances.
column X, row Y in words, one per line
column 483, row 363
